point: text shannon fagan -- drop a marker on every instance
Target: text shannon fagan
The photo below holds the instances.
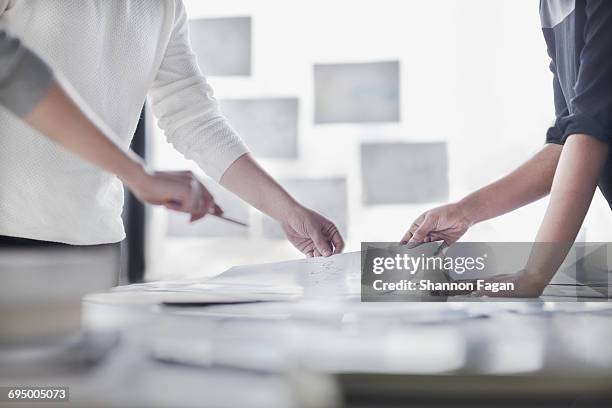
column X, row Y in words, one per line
column 427, row 285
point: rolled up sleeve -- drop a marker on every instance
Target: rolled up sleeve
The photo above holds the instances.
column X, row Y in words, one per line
column 554, row 134
column 590, row 110
column 25, row 79
column 186, row 109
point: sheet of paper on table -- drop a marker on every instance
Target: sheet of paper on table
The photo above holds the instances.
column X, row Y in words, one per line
column 336, row 276
column 333, row 278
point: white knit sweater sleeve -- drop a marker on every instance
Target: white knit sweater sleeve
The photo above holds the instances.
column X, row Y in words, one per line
column 185, row 107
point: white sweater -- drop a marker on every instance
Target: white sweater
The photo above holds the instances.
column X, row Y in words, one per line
column 114, row 53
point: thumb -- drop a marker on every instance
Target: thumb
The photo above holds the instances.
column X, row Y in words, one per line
column 448, row 239
column 173, row 204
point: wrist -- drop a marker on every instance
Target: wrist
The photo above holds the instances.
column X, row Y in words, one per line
column 135, row 175
column 537, row 278
column 467, row 211
column 290, row 209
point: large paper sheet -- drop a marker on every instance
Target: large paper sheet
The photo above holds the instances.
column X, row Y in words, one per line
column 336, row 276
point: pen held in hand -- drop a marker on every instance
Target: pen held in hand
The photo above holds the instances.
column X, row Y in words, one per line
column 223, row 217
column 216, row 212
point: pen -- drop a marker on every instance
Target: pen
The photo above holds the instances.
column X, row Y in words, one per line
column 223, row 217
column 217, row 212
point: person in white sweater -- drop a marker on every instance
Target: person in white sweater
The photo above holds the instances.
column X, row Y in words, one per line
column 115, row 54
column 29, row 90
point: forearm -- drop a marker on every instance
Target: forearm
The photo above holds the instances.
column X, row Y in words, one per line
column 253, row 184
column 572, row 191
column 58, row 118
column 528, row 183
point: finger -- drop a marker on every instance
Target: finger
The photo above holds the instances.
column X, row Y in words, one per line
column 338, row 242
column 448, row 240
column 304, row 245
column 217, row 210
column 199, row 210
column 321, row 243
column 408, row 235
column 208, row 206
column 175, row 205
column 421, row 233
column 413, row 227
column 316, row 253
column 438, row 237
column 195, row 197
column 309, row 254
column 206, row 201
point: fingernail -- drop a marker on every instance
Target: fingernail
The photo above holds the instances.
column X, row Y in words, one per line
column 326, row 252
column 404, row 242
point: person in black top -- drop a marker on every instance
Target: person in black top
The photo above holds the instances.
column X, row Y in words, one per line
column 574, row 160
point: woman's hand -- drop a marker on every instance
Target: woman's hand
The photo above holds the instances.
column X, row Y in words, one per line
column 448, row 223
column 175, row 190
column 311, row 233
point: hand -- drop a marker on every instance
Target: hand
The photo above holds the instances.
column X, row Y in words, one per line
column 447, row 223
column 176, row 190
column 313, row 234
column 526, row 284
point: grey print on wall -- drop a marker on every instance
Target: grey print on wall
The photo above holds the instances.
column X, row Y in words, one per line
column 357, row 92
column 209, row 226
column 223, row 45
column 404, row 173
column 268, row 126
column 326, row 196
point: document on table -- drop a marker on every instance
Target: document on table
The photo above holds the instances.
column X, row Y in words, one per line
column 336, row 277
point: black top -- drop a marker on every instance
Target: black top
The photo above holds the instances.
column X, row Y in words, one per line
column 578, row 35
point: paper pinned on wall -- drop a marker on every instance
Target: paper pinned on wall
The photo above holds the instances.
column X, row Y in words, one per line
column 404, row 173
column 357, row 92
column 223, row 45
column 269, row 126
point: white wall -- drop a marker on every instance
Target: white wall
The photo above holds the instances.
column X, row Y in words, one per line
column 474, row 73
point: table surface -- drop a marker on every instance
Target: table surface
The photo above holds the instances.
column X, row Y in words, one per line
column 282, row 354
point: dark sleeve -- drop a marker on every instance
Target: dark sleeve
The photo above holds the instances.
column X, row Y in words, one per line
column 591, row 108
column 24, row 78
column 554, row 133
